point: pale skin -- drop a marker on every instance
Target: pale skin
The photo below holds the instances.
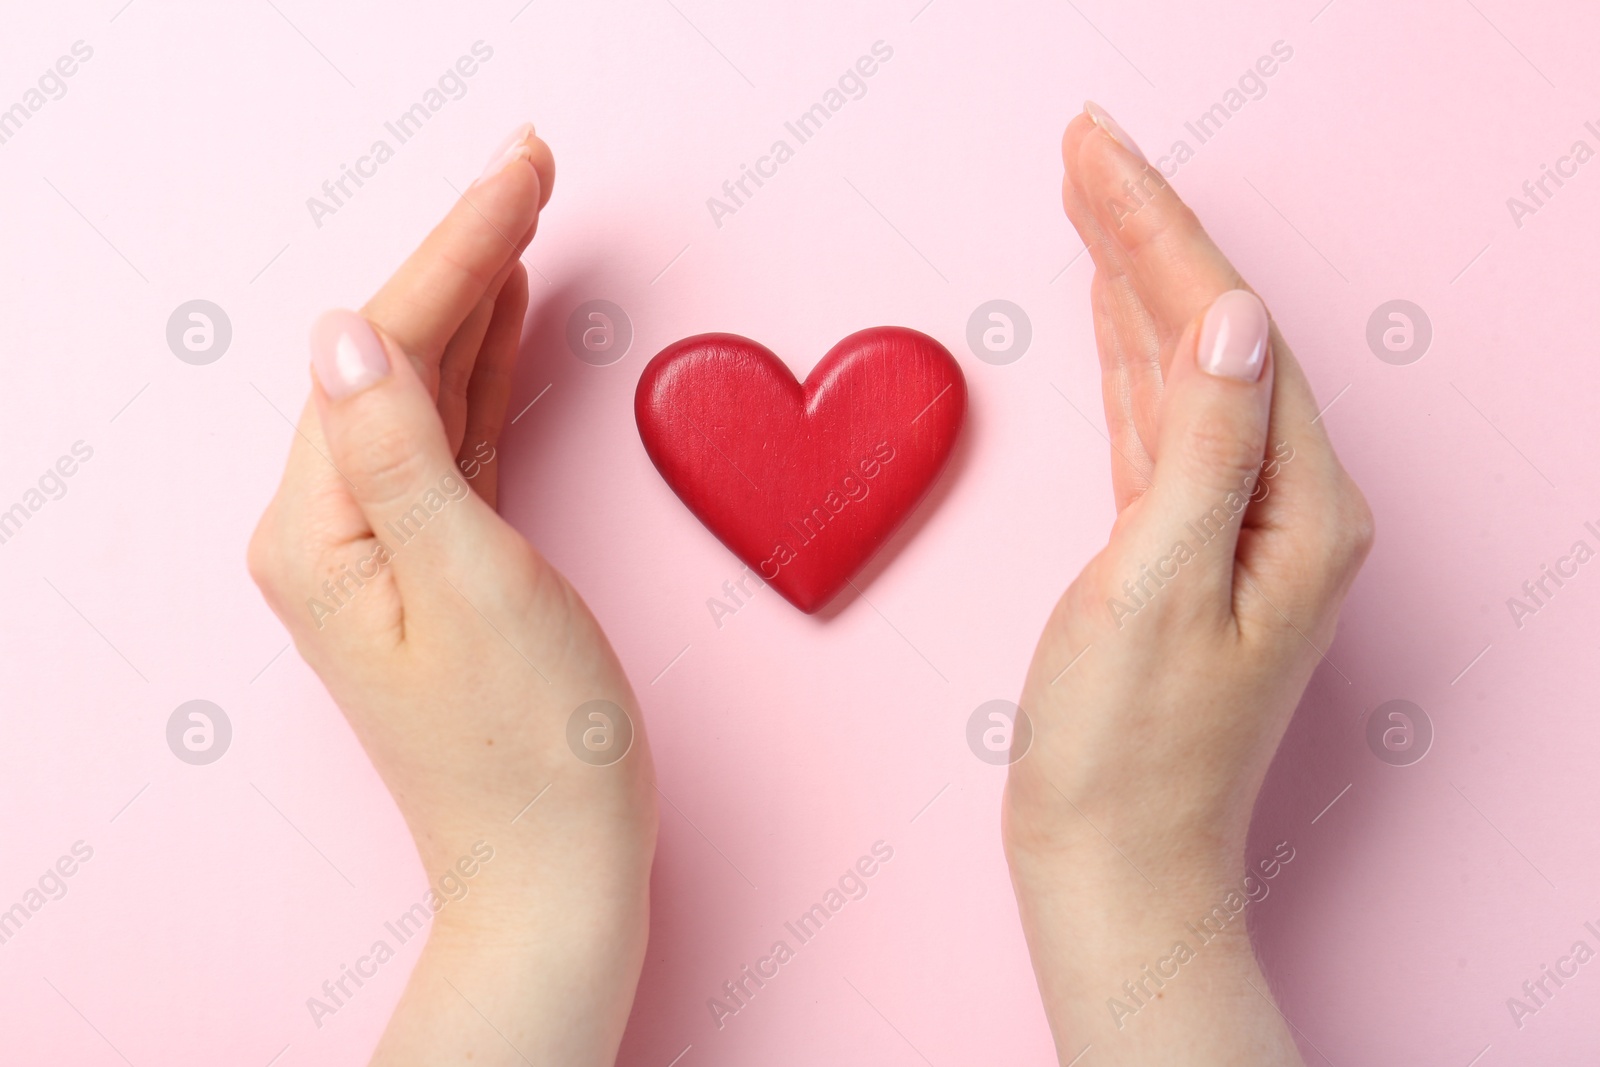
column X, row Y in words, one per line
column 1127, row 819
column 460, row 662
column 460, row 659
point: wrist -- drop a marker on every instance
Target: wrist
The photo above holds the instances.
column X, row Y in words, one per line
column 1139, row 934
column 523, row 885
column 1143, row 970
column 552, row 964
column 1117, row 917
column 1113, row 849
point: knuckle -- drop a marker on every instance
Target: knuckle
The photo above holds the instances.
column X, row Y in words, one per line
column 477, row 272
column 1216, row 449
column 262, row 556
column 385, row 464
column 1168, row 228
column 1354, row 526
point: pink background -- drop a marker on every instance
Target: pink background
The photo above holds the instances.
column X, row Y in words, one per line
column 1376, row 167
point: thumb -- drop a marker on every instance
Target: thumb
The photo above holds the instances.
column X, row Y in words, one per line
column 1213, row 432
column 385, row 437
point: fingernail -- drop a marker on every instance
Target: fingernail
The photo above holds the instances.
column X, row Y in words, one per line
column 1104, row 120
column 346, row 354
column 1233, row 338
column 512, row 148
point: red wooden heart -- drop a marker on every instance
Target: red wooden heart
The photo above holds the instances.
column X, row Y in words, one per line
column 803, row 482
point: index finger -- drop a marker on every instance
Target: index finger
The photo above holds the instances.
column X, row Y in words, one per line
column 1148, row 235
column 426, row 300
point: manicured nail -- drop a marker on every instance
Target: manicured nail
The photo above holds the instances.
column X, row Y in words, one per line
column 1103, row 120
column 1233, row 338
column 346, row 354
column 513, row 148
